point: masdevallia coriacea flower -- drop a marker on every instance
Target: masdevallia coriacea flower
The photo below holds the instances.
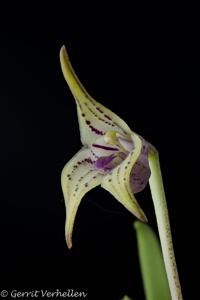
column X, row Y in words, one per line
column 119, row 160
column 112, row 155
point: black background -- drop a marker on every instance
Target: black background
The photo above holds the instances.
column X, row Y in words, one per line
column 144, row 70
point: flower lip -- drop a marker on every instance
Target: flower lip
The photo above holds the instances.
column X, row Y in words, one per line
column 103, row 162
column 111, row 157
column 110, row 150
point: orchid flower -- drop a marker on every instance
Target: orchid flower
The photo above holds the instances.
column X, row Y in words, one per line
column 119, row 160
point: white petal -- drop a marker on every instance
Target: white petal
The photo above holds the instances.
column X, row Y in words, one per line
column 118, row 181
column 94, row 118
column 77, row 178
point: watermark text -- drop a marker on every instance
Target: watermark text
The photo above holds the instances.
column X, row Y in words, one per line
column 42, row 293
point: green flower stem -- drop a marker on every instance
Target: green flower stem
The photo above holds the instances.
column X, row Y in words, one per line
column 161, row 211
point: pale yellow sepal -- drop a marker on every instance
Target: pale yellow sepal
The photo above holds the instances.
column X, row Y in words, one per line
column 77, row 178
column 91, row 114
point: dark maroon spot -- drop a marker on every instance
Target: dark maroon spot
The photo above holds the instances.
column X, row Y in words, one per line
column 99, row 109
column 87, row 122
column 106, row 116
column 109, row 180
column 96, row 130
column 83, row 115
column 79, row 162
column 94, row 177
column 105, row 147
column 86, row 184
column 106, row 122
column 88, row 160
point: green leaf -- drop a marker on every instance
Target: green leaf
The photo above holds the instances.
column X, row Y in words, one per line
column 151, row 263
